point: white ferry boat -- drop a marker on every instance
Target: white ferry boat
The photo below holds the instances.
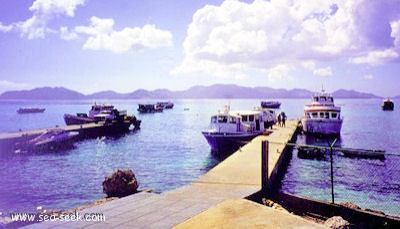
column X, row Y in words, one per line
column 230, row 130
column 322, row 116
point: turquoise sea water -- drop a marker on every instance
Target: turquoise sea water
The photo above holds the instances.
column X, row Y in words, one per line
column 169, row 151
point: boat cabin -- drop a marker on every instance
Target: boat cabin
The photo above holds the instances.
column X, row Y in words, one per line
column 322, row 107
column 237, row 121
column 322, row 114
column 110, row 115
column 322, row 99
column 229, row 123
column 98, row 108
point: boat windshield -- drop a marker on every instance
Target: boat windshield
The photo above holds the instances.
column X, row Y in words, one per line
column 222, row 119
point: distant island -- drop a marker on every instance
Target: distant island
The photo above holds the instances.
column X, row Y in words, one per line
column 217, row 91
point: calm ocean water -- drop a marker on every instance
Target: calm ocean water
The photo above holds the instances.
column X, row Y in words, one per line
column 169, row 152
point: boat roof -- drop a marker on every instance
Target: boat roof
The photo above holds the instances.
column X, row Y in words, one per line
column 245, row 112
column 103, row 106
column 311, row 108
column 322, row 99
column 239, row 113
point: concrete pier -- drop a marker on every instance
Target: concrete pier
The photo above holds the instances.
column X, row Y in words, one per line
column 214, row 200
column 9, row 141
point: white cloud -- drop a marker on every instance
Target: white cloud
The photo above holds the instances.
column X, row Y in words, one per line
column 323, row 71
column 310, row 65
column 102, row 36
column 5, row 28
column 43, row 12
column 279, row 72
column 65, row 34
column 297, row 33
column 376, row 57
column 56, row 7
column 369, row 77
column 395, row 33
column 6, row 85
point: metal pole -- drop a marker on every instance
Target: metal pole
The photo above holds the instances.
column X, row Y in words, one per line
column 332, row 192
column 264, row 169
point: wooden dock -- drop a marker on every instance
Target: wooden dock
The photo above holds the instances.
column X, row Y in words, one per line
column 215, row 200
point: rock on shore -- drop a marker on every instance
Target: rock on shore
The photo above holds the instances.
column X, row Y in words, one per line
column 121, row 183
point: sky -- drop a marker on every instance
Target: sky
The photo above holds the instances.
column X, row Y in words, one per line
column 124, row 45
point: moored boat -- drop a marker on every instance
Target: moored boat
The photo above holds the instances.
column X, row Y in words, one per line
column 229, row 130
column 388, row 105
column 150, row 108
column 166, row 105
column 53, row 139
column 306, row 152
column 82, row 118
column 270, row 104
column 104, row 113
column 27, row 110
column 322, row 116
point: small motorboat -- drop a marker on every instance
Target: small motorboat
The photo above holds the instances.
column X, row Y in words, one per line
column 305, row 152
column 28, row 110
column 53, row 139
column 270, row 104
column 166, row 105
column 150, row 108
column 388, row 105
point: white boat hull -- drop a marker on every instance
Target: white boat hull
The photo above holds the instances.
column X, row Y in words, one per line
column 322, row 126
column 224, row 144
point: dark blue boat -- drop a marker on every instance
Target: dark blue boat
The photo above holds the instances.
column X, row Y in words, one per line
column 388, row 105
column 270, row 104
column 27, row 110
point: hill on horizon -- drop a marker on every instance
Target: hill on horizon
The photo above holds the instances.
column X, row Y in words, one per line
column 216, row 91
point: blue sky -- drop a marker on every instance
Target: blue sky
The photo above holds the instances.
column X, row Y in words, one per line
column 124, row 45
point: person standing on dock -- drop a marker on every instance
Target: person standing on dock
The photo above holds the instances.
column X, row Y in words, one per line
column 279, row 119
column 283, row 118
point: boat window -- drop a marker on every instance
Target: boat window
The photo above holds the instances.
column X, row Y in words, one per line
column 308, row 115
column 326, row 114
column 213, row 119
column 244, row 118
column 331, row 98
column 232, row 119
column 323, row 98
column 314, row 115
column 251, row 118
column 316, row 99
column 321, row 114
column 334, row 115
column 222, row 119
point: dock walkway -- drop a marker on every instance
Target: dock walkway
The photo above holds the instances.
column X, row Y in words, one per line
column 215, row 200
